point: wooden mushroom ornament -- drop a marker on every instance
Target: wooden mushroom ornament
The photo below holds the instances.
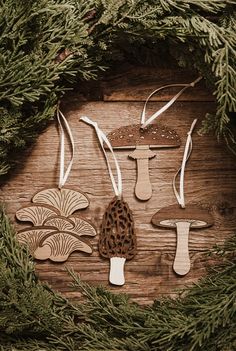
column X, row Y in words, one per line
column 56, row 233
column 32, row 236
column 56, row 230
column 117, row 240
column 146, row 136
column 183, row 220
column 142, row 140
column 58, row 246
column 182, row 217
column 36, row 213
column 64, row 200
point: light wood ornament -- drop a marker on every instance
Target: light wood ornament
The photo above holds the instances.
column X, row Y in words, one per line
column 36, row 214
column 183, row 219
column 56, row 232
column 58, row 236
column 142, row 139
column 143, row 187
column 59, row 246
column 72, row 224
column 117, row 238
column 31, row 237
column 65, row 200
column 60, row 222
column 82, row 227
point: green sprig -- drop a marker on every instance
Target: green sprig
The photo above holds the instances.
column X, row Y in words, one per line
column 33, row 317
column 95, row 33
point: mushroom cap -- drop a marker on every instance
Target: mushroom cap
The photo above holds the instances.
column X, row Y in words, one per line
column 154, row 135
column 59, row 246
column 72, row 224
column 34, row 235
column 59, row 222
column 36, row 213
column 66, row 200
column 82, row 227
column 117, row 234
column 193, row 214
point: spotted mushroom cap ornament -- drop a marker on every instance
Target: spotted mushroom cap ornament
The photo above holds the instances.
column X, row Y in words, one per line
column 154, row 136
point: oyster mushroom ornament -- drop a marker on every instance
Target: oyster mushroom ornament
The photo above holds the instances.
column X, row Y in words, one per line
column 183, row 217
column 117, row 240
column 146, row 137
column 56, row 230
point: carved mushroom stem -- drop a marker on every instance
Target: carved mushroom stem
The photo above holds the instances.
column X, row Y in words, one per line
column 143, row 187
column 116, row 275
column 182, row 261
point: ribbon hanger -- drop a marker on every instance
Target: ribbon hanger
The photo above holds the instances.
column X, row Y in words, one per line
column 103, row 139
column 187, row 152
column 64, row 129
column 144, row 123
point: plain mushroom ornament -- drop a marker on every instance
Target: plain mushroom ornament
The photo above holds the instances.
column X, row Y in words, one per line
column 142, row 140
column 182, row 219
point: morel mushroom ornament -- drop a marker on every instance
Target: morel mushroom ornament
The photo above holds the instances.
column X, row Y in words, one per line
column 182, row 218
column 56, row 230
column 144, row 138
column 117, row 239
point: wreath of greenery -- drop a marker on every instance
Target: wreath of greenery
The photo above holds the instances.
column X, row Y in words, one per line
column 50, row 46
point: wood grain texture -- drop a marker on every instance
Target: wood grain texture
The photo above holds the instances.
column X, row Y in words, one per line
column 182, row 263
column 210, row 182
column 137, row 83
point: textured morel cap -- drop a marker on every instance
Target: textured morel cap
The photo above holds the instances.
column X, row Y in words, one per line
column 154, row 135
column 117, row 235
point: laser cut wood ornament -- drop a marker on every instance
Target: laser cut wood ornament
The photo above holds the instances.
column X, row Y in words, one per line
column 142, row 140
column 183, row 218
column 56, row 232
column 145, row 136
column 117, row 240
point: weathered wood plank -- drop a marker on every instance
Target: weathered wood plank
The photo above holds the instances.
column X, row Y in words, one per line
column 156, row 278
column 179, row 117
column 210, row 181
column 136, row 83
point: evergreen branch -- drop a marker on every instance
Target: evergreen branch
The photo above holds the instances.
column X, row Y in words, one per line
column 35, row 33
column 34, row 317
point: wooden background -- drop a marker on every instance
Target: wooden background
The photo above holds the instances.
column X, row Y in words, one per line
column 210, row 181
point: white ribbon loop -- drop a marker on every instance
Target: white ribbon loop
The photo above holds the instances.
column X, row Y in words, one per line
column 187, row 152
column 64, row 128
column 103, row 139
column 168, row 104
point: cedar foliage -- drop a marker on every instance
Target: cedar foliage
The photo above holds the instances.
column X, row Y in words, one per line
column 48, row 46
column 33, row 317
